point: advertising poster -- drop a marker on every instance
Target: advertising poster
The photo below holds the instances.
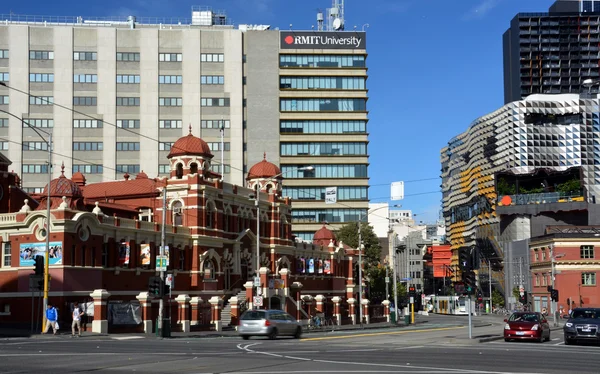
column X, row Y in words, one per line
column 311, row 266
column 28, row 252
column 320, row 263
column 125, row 313
column 145, row 254
column 167, row 253
column 301, row 265
column 327, row 267
column 124, row 253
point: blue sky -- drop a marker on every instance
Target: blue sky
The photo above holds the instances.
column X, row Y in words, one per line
column 434, row 66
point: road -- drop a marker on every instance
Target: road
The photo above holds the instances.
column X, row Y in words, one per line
column 438, row 347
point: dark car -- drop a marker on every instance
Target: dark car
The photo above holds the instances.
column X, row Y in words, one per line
column 527, row 326
column 582, row 325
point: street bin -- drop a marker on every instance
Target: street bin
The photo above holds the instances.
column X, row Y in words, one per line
column 393, row 317
column 166, row 328
column 407, row 319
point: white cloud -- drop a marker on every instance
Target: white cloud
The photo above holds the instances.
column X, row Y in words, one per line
column 481, row 10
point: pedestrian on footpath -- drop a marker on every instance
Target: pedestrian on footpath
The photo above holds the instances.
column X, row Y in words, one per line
column 51, row 319
column 77, row 313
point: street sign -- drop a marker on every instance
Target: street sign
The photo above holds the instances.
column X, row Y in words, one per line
column 170, row 280
column 412, row 300
column 256, row 281
column 387, row 279
column 330, row 195
column 161, row 263
column 405, row 279
column 257, row 300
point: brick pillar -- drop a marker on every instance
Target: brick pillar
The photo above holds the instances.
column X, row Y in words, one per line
column 215, row 312
column 285, row 278
column 297, row 287
column 336, row 309
column 319, row 307
column 264, row 282
column 235, row 311
column 351, row 311
column 146, row 304
column 365, row 306
column 249, row 293
column 182, row 311
column 308, row 301
column 386, row 309
column 195, row 306
column 100, row 323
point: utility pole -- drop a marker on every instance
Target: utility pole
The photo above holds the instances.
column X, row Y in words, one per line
column 256, row 203
column 395, row 274
column 47, row 254
column 161, row 304
column 360, row 309
column 490, row 281
column 552, row 305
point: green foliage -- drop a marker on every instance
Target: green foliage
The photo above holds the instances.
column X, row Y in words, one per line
column 569, row 187
column 401, row 291
column 498, row 299
column 504, row 188
column 515, row 292
column 376, row 279
column 525, row 191
column 372, row 250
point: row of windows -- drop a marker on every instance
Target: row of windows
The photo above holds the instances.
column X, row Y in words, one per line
column 85, row 56
column 88, row 169
column 35, row 146
column 216, row 146
column 170, row 101
column 224, row 102
column 130, row 169
column 87, row 146
column 170, row 124
column 178, row 57
column 212, row 79
column 214, row 124
column 41, row 78
column 34, row 189
column 128, row 101
column 585, row 252
column 85, row 78
column 211, row 57
column 128, row 123
column 87, row 101
column 38, row 123
column 325, row 83
column 220, row 170
column 325, row 171
column 87, row 123
column 329, row 215
column 121, row 123
column 35, row 169
column 41, row 55
column 322, row 61
column 41, row 100
column 323, row 149
column 170, row 79
column 128, row 79
column 128, row 146
column 165, row 146
column 128, row 56
column 318, row 193
column 323, row 127
column 121, row 56
column 323, row 105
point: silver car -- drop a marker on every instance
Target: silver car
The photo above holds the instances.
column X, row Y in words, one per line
column 269, row 323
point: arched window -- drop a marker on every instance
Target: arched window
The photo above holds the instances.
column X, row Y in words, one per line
column 269, row 188
column 194, row 168
column 240, row 222
column 209, row 269
column 179, row 171
column 209, row 217
column 282, row 228
column 226, row 221
column 177, row 213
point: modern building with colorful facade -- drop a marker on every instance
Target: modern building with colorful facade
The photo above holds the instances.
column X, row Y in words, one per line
column 104, row 239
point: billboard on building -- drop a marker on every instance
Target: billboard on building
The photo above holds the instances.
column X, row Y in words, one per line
column 28, row 252
column 322, row 40
column 145, row 255
column 124, row 253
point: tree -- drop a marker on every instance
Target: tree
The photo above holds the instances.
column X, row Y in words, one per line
column 372, row 250
column 515, row 292
column 497, row 299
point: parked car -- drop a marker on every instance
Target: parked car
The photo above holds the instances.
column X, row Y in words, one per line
column 582, row 325
column 526, row 326
column 269, row 323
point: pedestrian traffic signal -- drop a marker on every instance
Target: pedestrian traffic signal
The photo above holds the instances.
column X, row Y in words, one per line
column 154, row 286
column 470, row 281
column 166, row 289
column 554, row 295
column 523, row 298
column 39, row 265
column 464, row 255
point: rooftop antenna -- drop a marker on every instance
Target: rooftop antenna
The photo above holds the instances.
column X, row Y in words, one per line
column 290, row 26
column 320, row 19
column 335, row 19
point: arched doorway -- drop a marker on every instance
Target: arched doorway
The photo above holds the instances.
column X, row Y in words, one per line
column 275, row 303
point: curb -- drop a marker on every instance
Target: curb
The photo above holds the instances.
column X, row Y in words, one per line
column 490, row 339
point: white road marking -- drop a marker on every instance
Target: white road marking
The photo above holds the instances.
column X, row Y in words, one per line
column 561, row 343
column 555, row 339
column 411, row 347
column 298, row 358
column 127, row 337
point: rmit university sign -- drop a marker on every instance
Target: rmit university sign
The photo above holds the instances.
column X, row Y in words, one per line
column 473, row 208
column 323, row 40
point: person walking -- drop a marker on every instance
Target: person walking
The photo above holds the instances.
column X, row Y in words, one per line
column 77, row 313
column 51, row 319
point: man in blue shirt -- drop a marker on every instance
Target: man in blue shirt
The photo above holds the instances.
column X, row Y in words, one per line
column 51, row 319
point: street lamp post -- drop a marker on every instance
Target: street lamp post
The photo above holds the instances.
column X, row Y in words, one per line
column 48, row 204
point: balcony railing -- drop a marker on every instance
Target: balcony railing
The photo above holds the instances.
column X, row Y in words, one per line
column 540, row 198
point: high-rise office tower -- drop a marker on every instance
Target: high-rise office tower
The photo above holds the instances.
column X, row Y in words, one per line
column 553, row 52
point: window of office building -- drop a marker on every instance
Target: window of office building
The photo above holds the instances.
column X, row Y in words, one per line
column 3, row 146
column 4, row 77
column 170, row 101
column 128, row 79
column 322, row 61
column 87, row 146
column 215, row 124
column 588, row 279
column 170, row 124
column 323, row 149
column 170, row 79
column 318, row 193
column 41, row 55
column 216, row 146
column 30, row 122
column 211, row 57
column 4, row 122
column 323, row 105
column 172, row 57
column 84, row 101
column 128, row 146
column 128, row 123
column 325, row 171
column 327, row 215
column 3, row 53
column 41, row 100
column 35, row 146
column 128, row 56
column 85, row 56
column 322, row 83
column 219, row 168
column 128, row 101
column 35, row 169
column 165, row 146
column 323, row 127
column 87, row 123
column 209, row 101
column 85, row 78
column 88, row 169
column 164, row 169
column 212, row 79
column 34, row 189
column 130, row 169
column 586, row 251
column 4, row 100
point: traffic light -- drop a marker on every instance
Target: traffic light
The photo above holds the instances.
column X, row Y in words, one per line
column 523, row 299
column 464, row 257
column 470, row 281
column 154, row 286
column 165, row 289
column 459, row 288
column 554, row 295
column 39, row 265
column 412, row 292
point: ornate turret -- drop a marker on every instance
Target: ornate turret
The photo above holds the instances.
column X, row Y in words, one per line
column 189, row 155
column 267, row 175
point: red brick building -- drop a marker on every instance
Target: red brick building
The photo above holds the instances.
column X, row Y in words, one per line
column 576, row 264
column 105, row 237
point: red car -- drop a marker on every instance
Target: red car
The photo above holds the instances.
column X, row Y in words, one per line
column 526, row 326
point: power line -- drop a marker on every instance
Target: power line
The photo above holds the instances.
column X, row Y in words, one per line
column 409, row 181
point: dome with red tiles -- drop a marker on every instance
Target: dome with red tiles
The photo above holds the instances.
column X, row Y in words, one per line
column 324, row 235
column 141, row 175
column 63, row 186
column 78, row 178
column 264, row 169
column 190, row 145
